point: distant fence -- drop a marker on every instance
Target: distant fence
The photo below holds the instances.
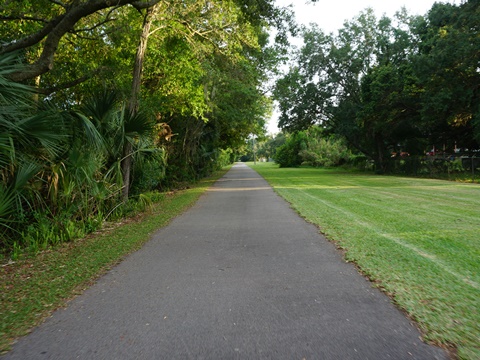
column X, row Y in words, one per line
column 452, row 167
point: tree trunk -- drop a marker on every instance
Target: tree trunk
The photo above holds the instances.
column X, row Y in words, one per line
column 126, row 168
column 139, row 59
column 133, row 102
column 380, row 162
column 37, row 86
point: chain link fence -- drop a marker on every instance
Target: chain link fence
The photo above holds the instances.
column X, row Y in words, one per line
column 466, row 168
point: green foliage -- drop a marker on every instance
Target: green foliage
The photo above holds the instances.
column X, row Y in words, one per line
column 312, row 147
column 288, row 155
column 299, row 101
column 29, row 137
column 149, row 171
column 448, row 71
column 224, row 158
column 324, row 151
column 60, row 171
column 69, row 157
column 267, row 148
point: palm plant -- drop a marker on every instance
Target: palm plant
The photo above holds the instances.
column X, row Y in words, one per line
column 58, row 168
column 29, row 138
column 125, row 135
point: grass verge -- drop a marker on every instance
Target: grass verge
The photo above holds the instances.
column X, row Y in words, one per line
column 32, row 288
column 416, row 239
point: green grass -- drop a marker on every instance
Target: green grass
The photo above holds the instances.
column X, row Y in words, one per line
column 33, row 287
column 417, row 239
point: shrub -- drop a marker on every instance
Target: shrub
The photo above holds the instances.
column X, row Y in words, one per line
column 325, row 152
column 149, row 172
column 288, row 155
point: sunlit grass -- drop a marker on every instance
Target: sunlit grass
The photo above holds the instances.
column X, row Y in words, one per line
column 417, row 239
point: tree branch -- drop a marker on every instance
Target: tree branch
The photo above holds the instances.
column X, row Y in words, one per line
column 69, row 84
column 195, row 32
column 32, row 39
column 139, row 5
column 58, row 3
column 76, row 31
column 107, row 19
column 21, row 17
column 55, row 30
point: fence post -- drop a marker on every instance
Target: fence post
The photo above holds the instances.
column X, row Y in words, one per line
column 473, row 168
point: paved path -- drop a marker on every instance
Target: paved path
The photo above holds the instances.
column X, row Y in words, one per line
column 238, row 276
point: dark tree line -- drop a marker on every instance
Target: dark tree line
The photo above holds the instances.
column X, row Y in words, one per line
column 406, row 84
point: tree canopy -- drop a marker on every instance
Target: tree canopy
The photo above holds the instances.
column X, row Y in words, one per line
column 404, row 84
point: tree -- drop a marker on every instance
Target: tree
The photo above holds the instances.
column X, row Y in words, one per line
column 447, row 68
column 288, row 155
column 325, row 87
column 50, row 29
column 322, row 150
column 268, row 147
column 133, row 102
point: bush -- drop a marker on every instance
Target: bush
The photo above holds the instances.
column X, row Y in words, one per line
column 224, row 158
column 312, row 147
column 288, row 155
column 325, row 152
column 149, row 172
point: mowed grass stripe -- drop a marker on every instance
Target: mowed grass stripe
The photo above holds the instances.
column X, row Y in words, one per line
column 364, row 221
column 371, row 207
column 403, row 209
column 390, row 220
column 418, row 239
column 418, row 188
column 415, row 219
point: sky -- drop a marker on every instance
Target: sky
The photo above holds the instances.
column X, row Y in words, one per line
column 331, row 14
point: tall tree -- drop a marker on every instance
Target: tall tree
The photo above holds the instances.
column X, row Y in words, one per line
column 366, row 84
column 447, row 66
column 133, row 102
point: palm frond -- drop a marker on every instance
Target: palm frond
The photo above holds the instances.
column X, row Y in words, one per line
column 101, row 106
column 93, row 136
column 25, row 172
column 7, row 150
column 7, row 204
column 11, row 196
column 138, row 124
column 45, row 129
column 12, row 92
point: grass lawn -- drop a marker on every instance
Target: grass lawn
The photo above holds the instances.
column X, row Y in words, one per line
column 417, row 239
column 33, row 287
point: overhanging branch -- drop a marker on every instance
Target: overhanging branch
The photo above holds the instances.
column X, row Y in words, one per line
column 22, row 17
column 53, row 32
column 69, row 84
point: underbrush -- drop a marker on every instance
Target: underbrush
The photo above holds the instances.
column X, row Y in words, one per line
column 43, row 230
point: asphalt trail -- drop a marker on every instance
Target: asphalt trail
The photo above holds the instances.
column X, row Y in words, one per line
column 238, row 276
